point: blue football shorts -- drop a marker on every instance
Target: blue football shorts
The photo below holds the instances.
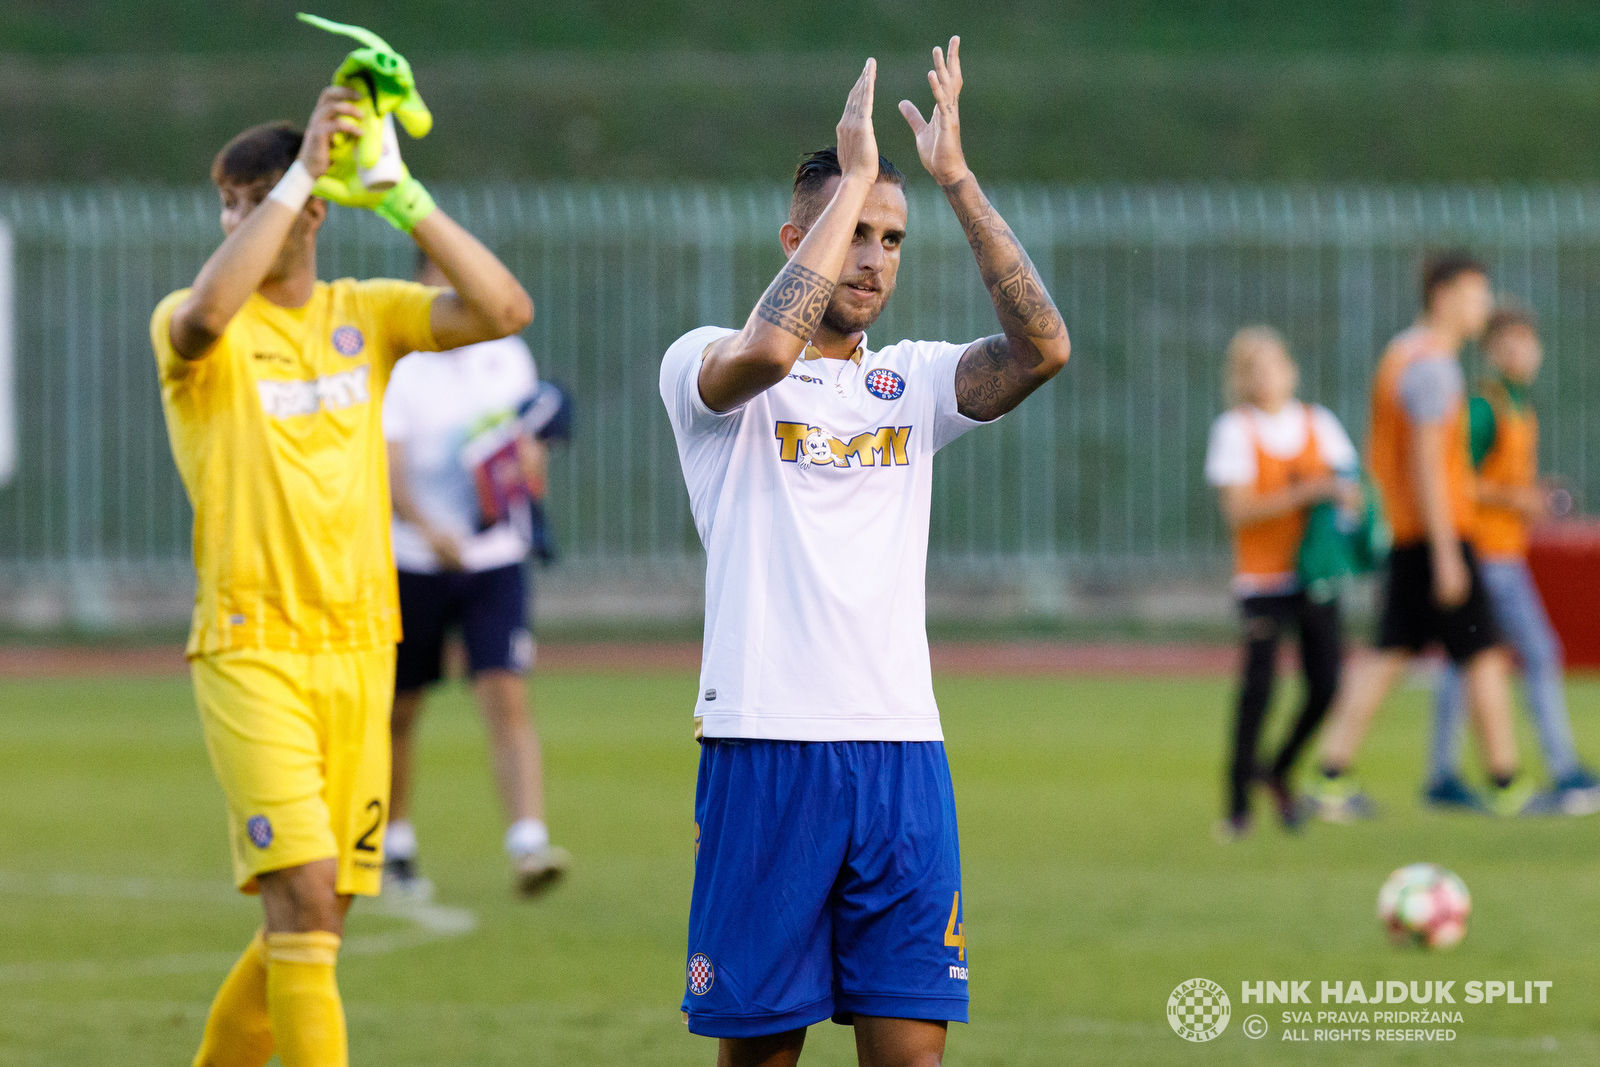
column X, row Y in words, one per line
column 827, row 882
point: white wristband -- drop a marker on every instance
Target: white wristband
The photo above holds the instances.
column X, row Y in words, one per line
column 294, row 188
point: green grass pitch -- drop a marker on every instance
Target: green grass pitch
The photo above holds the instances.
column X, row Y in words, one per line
column 1093, row 886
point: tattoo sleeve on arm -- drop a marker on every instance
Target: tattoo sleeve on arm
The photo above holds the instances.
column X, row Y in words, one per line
column 996, row 373
column 989, row 381
column 1025, row 309
column 795, row 300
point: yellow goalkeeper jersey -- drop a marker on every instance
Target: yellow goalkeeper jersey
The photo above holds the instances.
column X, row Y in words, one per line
column 278, row 437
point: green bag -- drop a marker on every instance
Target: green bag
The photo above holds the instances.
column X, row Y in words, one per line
column 1334, row 550
column 1372, row 538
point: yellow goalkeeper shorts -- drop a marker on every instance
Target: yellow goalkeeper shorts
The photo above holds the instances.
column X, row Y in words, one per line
column 300, row 744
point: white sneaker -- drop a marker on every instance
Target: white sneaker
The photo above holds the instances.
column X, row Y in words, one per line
column 1580, row 800
column 536, row 871
column 403, row 883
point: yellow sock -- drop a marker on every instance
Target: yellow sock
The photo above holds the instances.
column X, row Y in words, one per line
column 303, row 1000
column 238, row 1031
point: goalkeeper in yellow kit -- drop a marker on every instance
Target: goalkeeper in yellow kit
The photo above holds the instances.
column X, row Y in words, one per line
column 272, row 383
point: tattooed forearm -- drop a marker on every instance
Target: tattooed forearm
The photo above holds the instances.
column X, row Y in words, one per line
column 795, row 300
column 996, row 373
column 1020, row 299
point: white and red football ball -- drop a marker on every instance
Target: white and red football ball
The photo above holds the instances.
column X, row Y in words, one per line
column 1424, row 904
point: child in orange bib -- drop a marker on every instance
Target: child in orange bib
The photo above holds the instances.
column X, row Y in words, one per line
column 1505, row 449
column 1272, row 458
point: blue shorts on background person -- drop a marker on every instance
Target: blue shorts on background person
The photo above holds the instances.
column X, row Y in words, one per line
column 1519, row 612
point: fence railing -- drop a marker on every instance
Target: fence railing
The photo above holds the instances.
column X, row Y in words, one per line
column 1100, row 471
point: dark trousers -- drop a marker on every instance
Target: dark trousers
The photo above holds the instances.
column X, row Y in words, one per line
column 1266, row 618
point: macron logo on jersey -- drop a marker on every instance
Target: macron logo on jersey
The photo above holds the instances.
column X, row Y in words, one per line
column 332, row 392
column 811, row 446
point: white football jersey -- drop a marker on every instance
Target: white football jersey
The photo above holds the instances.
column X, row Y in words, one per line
column 436, row 402
column 812, row 501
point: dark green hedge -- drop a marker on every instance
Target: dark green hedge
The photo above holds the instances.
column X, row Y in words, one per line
column 1065, row 91
column 87, row 27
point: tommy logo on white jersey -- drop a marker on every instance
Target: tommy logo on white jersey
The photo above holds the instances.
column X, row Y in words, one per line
column 816, row 449
column 332, row 392
column 812, row 446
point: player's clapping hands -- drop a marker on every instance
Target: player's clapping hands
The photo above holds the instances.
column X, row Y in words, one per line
column 939, row 138
column 858, row 144
column 336, row 113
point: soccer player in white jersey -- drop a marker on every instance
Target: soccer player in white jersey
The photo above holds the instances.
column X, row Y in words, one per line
column 828, row 873
column 459, row 568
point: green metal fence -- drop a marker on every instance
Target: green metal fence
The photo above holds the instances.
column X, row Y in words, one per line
column 1100, row 472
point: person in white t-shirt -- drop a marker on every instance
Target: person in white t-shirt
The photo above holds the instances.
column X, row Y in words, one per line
column 461, row 568
column 1272, row 458
column 827, row 874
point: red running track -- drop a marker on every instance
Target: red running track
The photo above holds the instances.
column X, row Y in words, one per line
column 1032, row 658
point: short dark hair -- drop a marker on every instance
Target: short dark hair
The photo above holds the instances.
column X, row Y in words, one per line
column 259, row 154
column 1439, row 269
column 811, row 178
column 1506, row 317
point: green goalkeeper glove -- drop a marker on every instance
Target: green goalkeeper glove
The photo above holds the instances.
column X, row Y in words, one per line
column 384, row 79
column 403, row 205
column 407, row 204
column 388, row 91
column 342, row 184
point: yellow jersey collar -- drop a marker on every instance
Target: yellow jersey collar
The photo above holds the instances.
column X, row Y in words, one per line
column 812, row 352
